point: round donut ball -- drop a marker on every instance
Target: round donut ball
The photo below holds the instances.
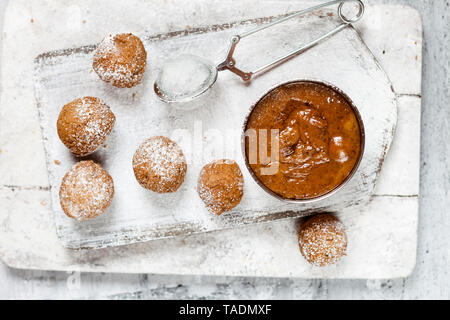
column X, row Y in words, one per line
column 322, row 240
column 84, row 124
column 121, row 60
column 86, row 191
column 221, row 186
column 159, row 165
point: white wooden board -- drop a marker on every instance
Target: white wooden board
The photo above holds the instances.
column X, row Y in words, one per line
column 213, row 131
column 383, row 233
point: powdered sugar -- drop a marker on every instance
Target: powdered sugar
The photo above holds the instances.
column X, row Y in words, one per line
column 96, row 123
column 159, row 154
column 140, row 215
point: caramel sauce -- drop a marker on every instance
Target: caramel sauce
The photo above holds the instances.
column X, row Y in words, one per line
column 319, row 140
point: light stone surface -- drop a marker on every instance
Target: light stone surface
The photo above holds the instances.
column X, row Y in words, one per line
column 428, row 280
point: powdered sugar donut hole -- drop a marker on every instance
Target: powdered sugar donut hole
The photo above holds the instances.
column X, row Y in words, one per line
column 323, row 240
column 121, row 60
column 159, row 165
column 84, row 124
column 221, row 186
column 86, row 191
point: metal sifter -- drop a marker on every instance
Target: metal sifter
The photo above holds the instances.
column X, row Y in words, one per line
column 188, row 76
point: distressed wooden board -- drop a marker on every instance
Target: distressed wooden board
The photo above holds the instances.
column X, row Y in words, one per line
column 137, row 215
column 28, row 236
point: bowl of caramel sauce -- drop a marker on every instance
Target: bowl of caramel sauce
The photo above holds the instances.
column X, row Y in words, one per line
column 303, row 141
